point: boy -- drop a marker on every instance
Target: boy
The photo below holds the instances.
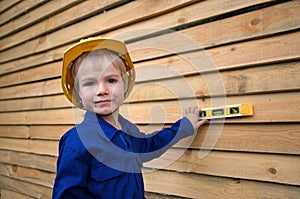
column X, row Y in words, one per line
column 102, row 157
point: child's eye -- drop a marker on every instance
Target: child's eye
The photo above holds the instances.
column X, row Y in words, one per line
column 112, row 81
column 89, row 84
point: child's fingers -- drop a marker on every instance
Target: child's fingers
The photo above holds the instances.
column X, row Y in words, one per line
column 196, row 110
column 202, row 122
column 192, row 109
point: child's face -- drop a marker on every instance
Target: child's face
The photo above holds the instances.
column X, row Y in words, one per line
column 101, row 88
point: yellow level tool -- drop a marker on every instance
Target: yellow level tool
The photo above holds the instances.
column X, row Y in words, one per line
column 236, row 110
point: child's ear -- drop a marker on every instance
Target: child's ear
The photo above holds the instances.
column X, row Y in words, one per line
column 78, row 98
column 80, row 103
column 126, row 89
column 126, row 81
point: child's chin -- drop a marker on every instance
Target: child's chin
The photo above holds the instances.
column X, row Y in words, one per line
column 104, row 113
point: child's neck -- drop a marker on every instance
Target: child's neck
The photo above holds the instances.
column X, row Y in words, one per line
column 113, row 119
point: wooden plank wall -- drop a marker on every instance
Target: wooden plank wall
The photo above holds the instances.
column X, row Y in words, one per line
column 254, row 45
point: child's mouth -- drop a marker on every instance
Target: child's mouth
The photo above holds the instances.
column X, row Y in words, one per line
column 103, row 102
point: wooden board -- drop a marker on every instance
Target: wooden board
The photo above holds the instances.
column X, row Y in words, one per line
column 29, row 160
column 19, row 9
column 282, row 169
column 7, row 4
column 42, row 12
column 60, row 16
column 41, row 147
column 273, row 138
column 264, row 111
column 244, row 81
column 26, row 174
column 262, row 138
column 251, row 48
column 235, row 82
column 6, row 194
column 198, row 186
column 238, row 55
column 51, row 70
column 196, row 14
column 279, row 138
column 253, row 80
column 133, row 11
column 36, row 103
column 261, row 167
column 49, row 87
column 34, row 132
column 59, row 37
column 271, row 20
column 25, row 188
column 190, row 33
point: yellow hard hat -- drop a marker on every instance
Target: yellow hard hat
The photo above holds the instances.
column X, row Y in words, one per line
column 87, row 45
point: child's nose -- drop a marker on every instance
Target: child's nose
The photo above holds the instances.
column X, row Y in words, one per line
column 102, row 89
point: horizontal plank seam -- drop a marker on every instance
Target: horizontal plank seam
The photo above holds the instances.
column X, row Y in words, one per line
column 104, row 9
column 39, row 3
column 226, row 177
column 116, row 27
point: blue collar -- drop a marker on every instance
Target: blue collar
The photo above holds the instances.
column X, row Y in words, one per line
column 108, row 130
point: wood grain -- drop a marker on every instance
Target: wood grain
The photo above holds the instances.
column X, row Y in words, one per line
column 186, row 52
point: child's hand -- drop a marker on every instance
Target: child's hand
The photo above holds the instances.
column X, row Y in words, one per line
column 192, row 113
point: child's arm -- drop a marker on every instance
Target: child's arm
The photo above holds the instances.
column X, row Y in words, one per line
column 71, row 176
column 155, row 144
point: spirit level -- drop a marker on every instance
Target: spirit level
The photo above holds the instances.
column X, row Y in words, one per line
column 236, row 110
